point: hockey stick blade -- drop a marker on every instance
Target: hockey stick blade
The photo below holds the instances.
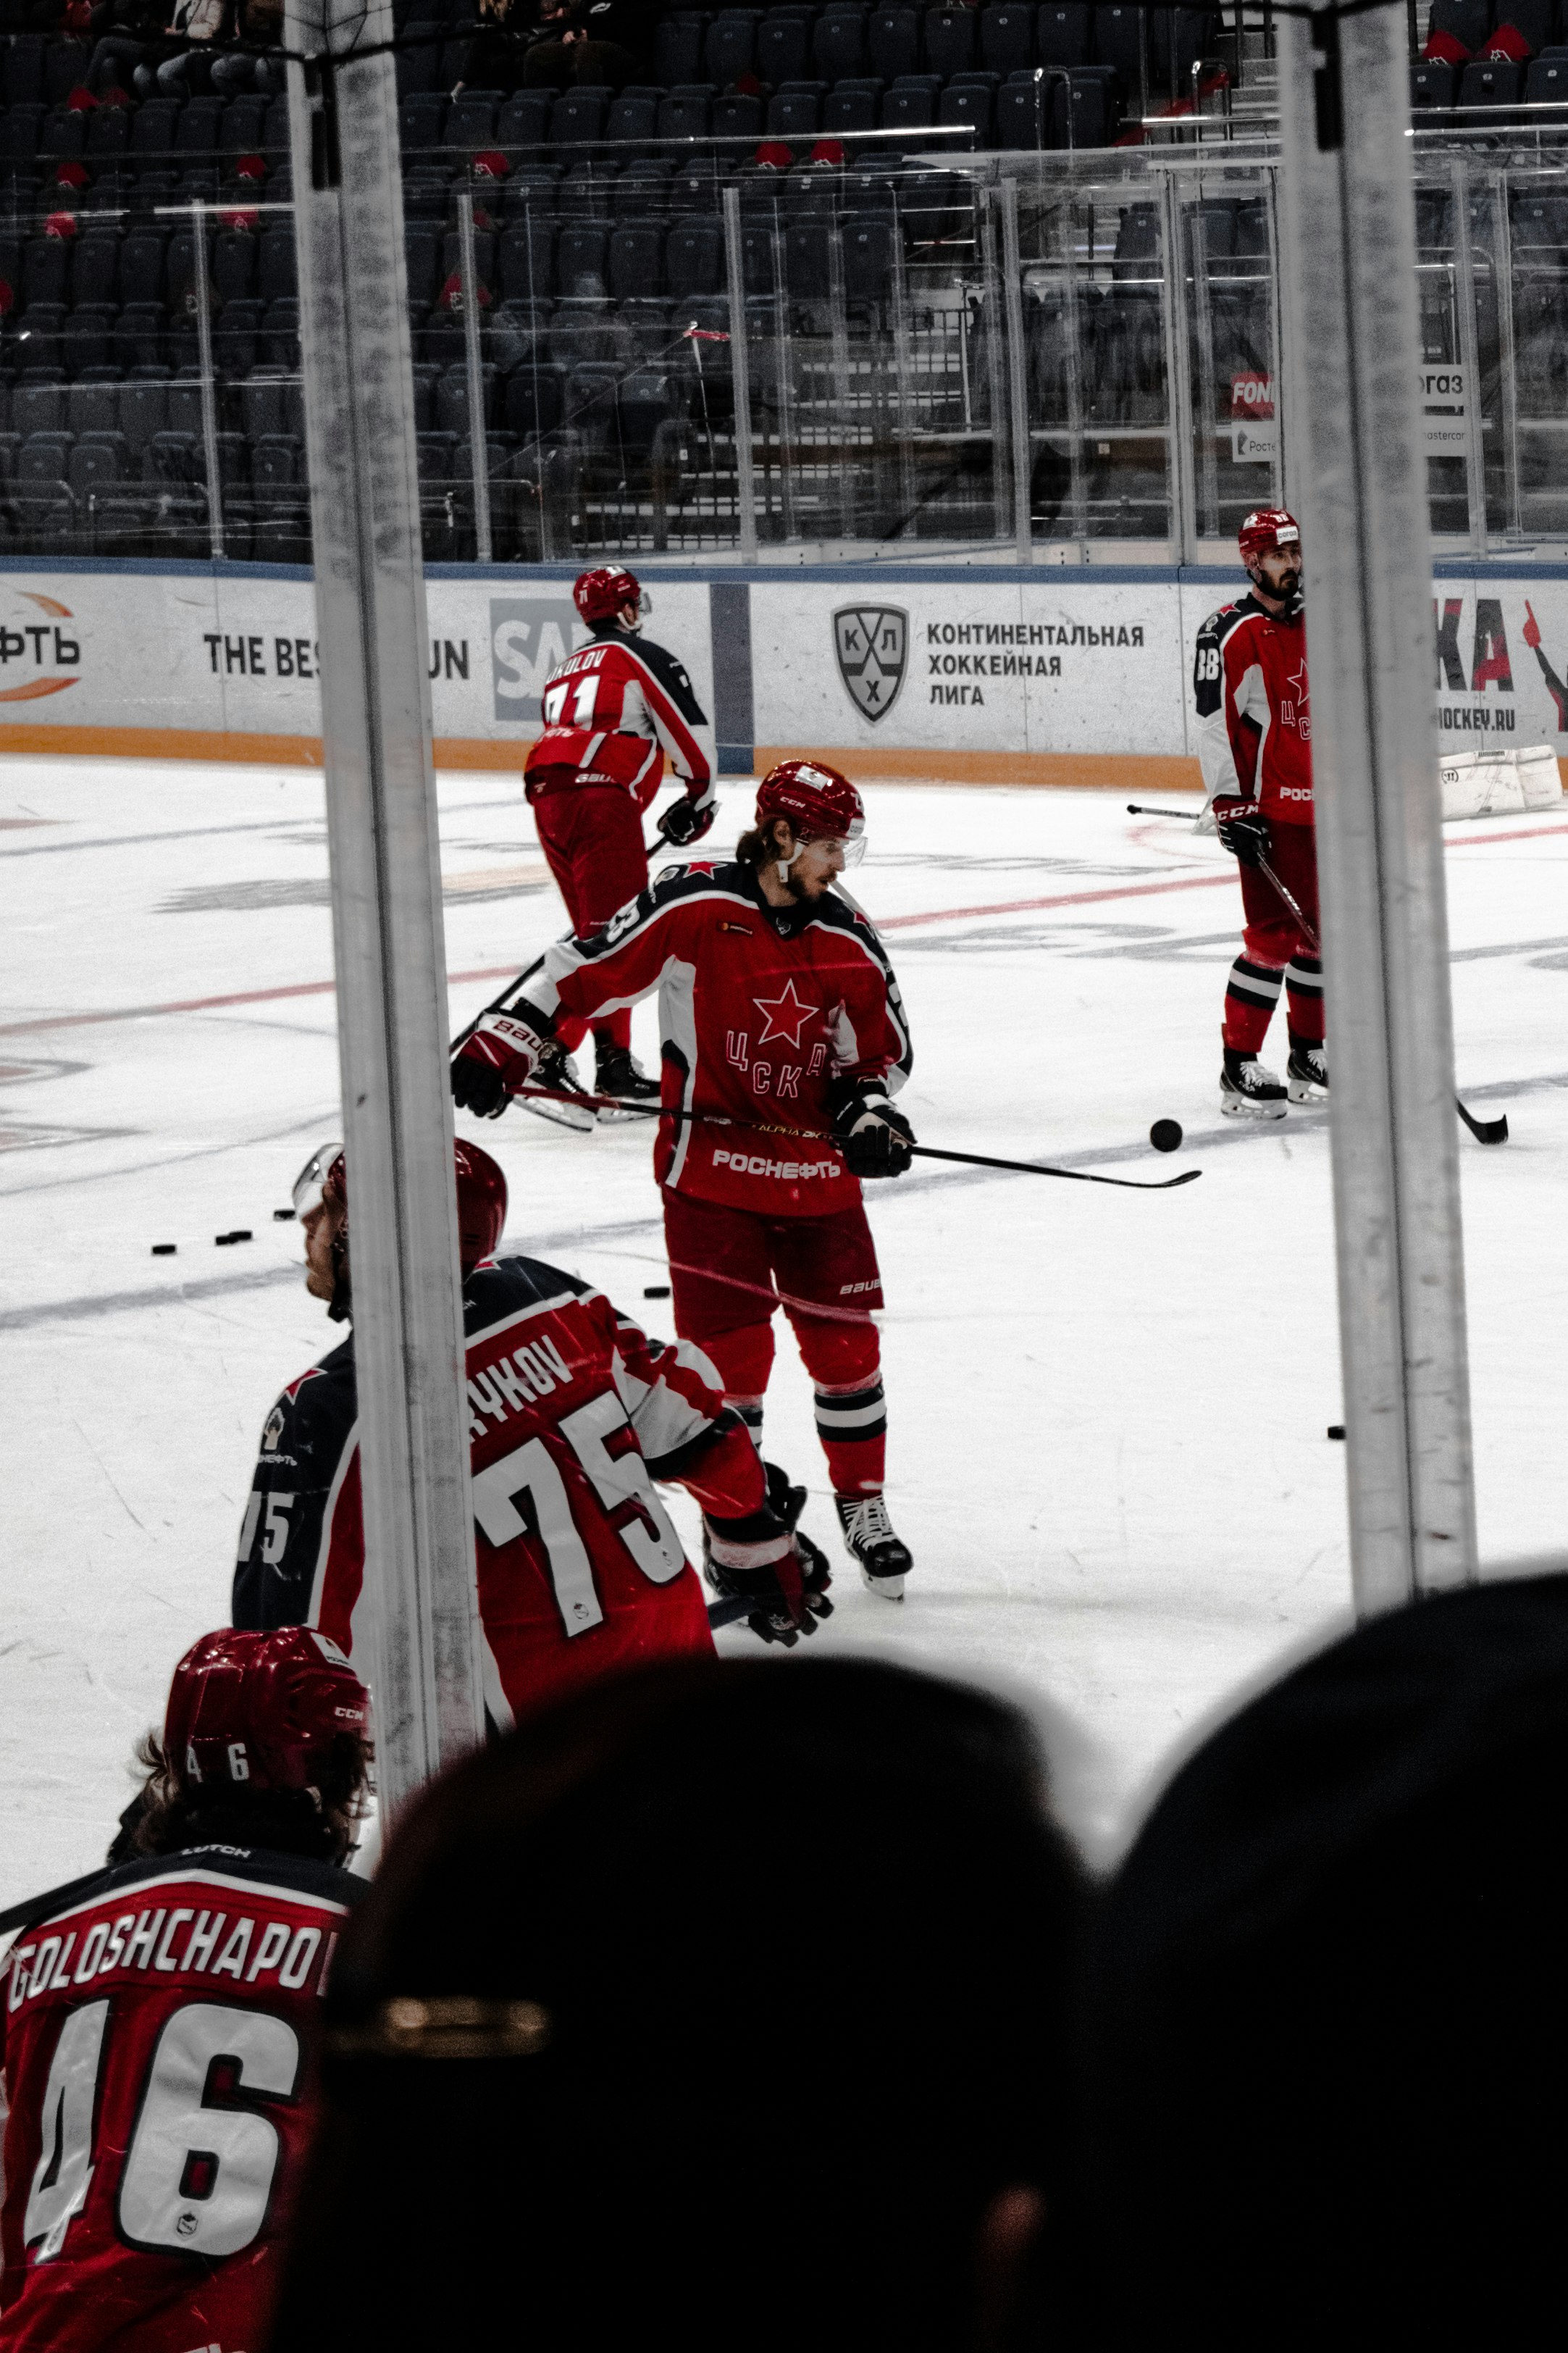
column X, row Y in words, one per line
column 1485, row 1130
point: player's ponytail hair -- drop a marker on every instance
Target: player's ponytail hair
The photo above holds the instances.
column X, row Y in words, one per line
column 757, row 846
column 320, row 1824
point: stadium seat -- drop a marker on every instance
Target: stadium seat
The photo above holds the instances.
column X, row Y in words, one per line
column 694, row 258
column 969, row 102
column 19, row 130
column 1546, row 82
column 635, row 262
column 868, row 244
column 678, row 43
column 95, row 273
column 1065, row 32
column 838, row 44
column 108, row 136
column 143, row 408
column 580, row 257
column 577, row 118
column 419, row 59
column 795, row 111
column 737, row 118
column 452, row 399
column 88, row 338
column 523, row 123
column 1469, row 22
column 25, row 55
column 893, row 42
column 1491, row 81
column 1433, row 82
column 421, row 121
column 422, row 256
column 276, row 274
column 199, row 127
column 62, row 138
column 687, row 112
column 949, row 41
column 582, row 328
column 92, row 402
column 1007, row 38
column 1087, row 106
column 1024, row 111
column 98, row 462
column 244, row 130
column 235, row 258
column 37, row 406
column 535, row 399
column 470, row 123
column 911, row 104
column 784, row 50
column 853, row 106
column 759, row 255
column 633, row 118
column 732, row 47
column 643, row 330
column 45, row 270
column 647, row 400
column 280, row 332
column 236, row 338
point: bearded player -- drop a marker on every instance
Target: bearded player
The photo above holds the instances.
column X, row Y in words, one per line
column 159, row 2019
column 613, row 710
column 1255, row 732
column 572, row 1413
column 784, row 1038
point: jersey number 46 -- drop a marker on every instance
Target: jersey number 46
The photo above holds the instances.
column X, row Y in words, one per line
column 195, row 2179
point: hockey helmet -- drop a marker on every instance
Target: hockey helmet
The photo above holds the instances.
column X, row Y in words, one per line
column 817, row 802
column 1265, row 531
column 261, row 1710
column 481, row 1195
column 600, row 594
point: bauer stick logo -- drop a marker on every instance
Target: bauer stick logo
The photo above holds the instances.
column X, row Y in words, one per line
column 872, row 644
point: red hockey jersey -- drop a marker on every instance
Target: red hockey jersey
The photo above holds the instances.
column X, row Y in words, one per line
column 158, row 2033
column 612, row 710
column 1255, row 726
column 761, row 1009
column 572, row 1413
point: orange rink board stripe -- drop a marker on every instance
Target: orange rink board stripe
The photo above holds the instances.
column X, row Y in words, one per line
column 890, row 923
column 221, row 745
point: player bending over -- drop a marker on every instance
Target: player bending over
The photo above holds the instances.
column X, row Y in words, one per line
column 572, row 1413
column 159, row 2019
column 613, row 709
column 784, row 1035
column 1255, row 736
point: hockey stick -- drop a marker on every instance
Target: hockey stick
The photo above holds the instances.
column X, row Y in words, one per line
column 805, row 1135
column 734, row 1606
column 1485, row 1130
column 1136, row 808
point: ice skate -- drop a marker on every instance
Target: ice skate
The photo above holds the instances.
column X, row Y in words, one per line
column 617, row 1071
column 1306, row 1073
column 563, row 1073
column 1248, row 1089
column 885, row 1559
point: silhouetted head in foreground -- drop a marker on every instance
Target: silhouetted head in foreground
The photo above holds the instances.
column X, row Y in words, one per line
column 1327, row 2058
column 770, row 1966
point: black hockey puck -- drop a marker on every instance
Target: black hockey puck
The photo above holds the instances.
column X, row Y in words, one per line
column 1336, row 1429
column 240, row 1234
column 1166, row 1135
column 657, row 1291
column 164, row 1249
column 282, row 1217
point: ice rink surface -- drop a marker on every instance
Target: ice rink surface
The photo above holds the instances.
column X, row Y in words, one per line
column 1107, row 1410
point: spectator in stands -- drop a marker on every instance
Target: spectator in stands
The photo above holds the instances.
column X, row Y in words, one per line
column 735, row 1995
column 498, row 50
column 1329, row 2047
column 194, row 32
column 257, row 25
column 125, row 31
column 597, row 44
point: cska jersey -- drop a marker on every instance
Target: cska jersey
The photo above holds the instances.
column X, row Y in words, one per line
column 761, row 1009
column 158, row 2032
column 1255, row 726
column 572, row 1413
column 612, row 710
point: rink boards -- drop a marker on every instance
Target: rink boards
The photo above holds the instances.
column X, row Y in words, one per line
column 982, row 675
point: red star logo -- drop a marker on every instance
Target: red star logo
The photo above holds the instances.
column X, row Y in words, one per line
column 787, row 1015
column 1300, row 682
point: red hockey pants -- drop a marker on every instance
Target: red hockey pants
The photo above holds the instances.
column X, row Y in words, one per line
column 731, row 1269
column 592, row 837
column 1275, row 951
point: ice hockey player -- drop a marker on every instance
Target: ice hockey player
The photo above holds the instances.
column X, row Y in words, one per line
column 572, row 1413
column 613, row 709
column 784, row 1038
column 158, row 2025
column 1254, row 736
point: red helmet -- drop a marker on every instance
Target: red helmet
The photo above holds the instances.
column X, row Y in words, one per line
column 263, row 1709
column 600, row 594
column 1266, row 529
column 817, row 800
column 481, row 1195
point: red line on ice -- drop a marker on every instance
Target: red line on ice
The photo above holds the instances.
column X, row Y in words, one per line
column 891, row 924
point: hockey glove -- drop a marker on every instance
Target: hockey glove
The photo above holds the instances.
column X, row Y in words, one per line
column 688, row 818
column 506, row 1051
column 1243, row 830
column 757, row 1559
column 873, row 1137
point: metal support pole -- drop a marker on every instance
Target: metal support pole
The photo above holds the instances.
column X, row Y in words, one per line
column 1350, row 269
column 740, row 380
column 783, row 347
column 1072, row 345
column 845, row 433
column 1208, row 389
column 1002, row 455
column 1508, row 350
column 478, row 446
column 1470, row 358
column 903, row 363
column 1017, row 367
column 209, row 386
column 1278, row 331
column 1178, row 385
column 388, row 938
